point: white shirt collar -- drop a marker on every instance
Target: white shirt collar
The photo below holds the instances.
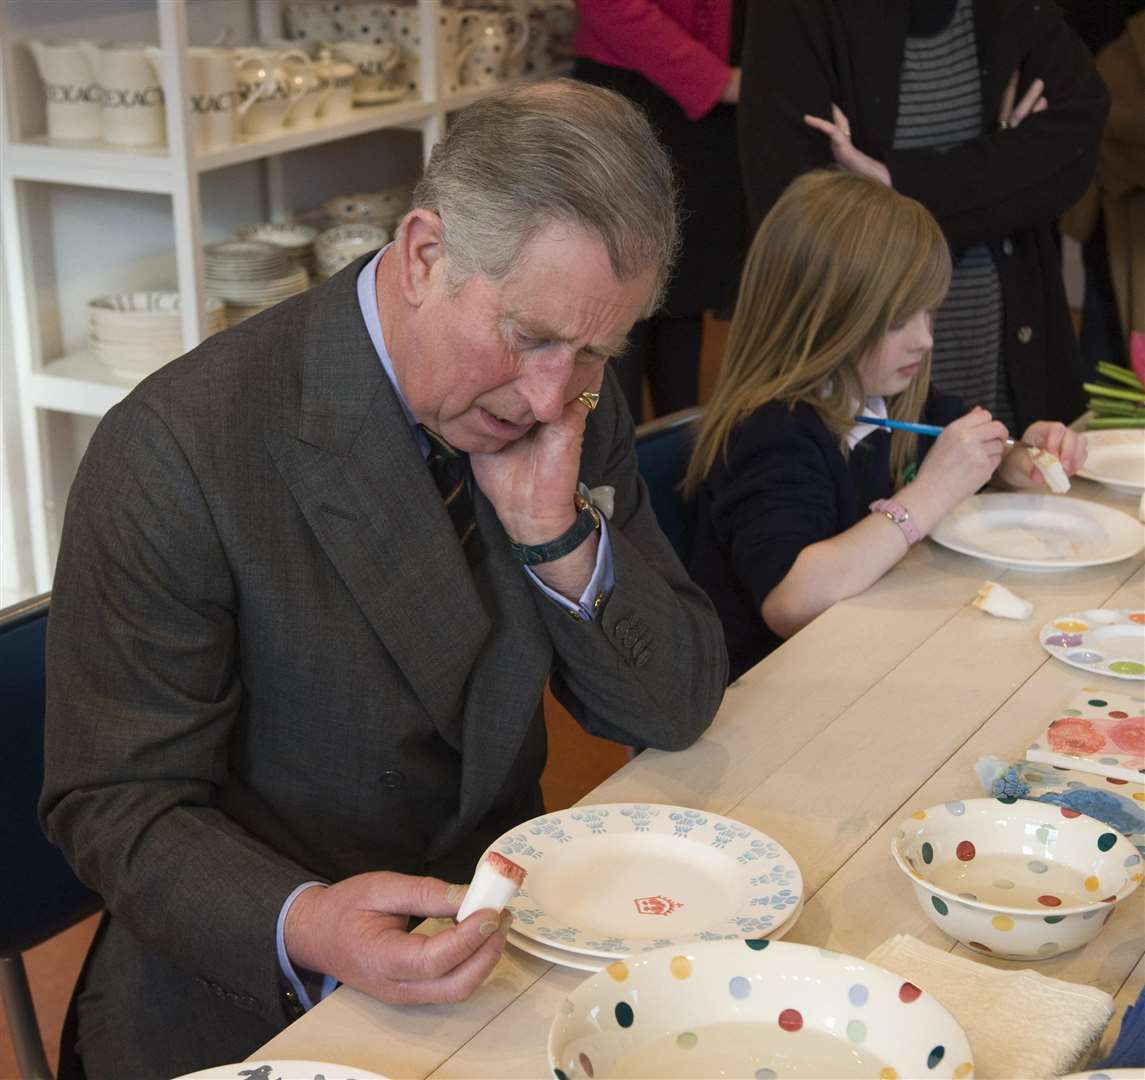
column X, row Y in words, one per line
column 874, row 406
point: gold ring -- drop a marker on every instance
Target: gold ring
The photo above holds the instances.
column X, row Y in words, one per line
column 1004, row 125
column 846, row 133
column 589, row 400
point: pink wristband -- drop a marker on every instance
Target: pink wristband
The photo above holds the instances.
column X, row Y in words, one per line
column 896, row 512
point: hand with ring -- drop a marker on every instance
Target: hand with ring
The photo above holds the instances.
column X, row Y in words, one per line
column 1033, row 101
column 845, row 152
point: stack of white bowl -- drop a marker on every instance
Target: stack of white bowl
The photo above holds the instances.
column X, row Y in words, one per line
column 295, row 238
column 136, row 333
column 250, row 276
column 341, row 245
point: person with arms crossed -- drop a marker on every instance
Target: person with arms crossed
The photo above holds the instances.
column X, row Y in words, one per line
column 315, row 574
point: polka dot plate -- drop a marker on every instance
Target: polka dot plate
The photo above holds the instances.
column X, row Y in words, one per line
column 609, row 881
column 753, row 1009
column 1015, row 878
column 1108, row 641
column 1039, row 532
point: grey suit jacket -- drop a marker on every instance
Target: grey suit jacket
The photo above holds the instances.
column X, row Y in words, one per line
column 270, row 663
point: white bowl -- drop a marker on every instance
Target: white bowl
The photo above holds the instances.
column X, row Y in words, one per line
column 286, row 234
column 753, row 1008
column 1018, row 879
column 341, row 245
column 386, row 207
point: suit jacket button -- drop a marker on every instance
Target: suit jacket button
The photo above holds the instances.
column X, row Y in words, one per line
column 621, row 626
column 1025, row 334
column 393, row 778
column 1007, row 246
column 643, row 658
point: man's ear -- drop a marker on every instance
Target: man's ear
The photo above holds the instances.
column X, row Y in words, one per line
column 421, row 246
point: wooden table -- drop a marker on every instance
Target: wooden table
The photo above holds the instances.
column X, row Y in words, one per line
column 878, row 708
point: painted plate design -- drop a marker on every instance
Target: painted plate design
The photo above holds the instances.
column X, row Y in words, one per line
column 283, row 1070
column 1105, row 640
column 612, row 880
column 1039, row 532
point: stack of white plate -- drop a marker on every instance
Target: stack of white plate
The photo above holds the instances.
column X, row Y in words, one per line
column 136, row 333
column 251, row 276
column 605, row 883
column 295, row 238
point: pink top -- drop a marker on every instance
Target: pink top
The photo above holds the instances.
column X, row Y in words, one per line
column 681, row 46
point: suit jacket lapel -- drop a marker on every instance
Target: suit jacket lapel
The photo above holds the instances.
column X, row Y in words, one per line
column 355, row 470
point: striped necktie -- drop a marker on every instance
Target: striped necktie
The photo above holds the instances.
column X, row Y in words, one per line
column 450, row 471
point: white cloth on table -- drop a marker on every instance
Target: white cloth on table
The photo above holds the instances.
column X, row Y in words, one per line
column 1019, row 1023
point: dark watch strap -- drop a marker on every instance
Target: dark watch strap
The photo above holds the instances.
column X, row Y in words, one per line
column 587, row 521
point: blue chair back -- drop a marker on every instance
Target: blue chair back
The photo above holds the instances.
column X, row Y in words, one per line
column 39, row 894
column 663, row 447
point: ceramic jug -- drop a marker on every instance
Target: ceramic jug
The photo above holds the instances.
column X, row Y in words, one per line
column 265, row 90
column 132, row 95
column 71, row 87
column 214, row 97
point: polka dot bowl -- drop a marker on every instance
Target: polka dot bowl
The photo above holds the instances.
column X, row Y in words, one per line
column 753, row 1008
column 1015, row 878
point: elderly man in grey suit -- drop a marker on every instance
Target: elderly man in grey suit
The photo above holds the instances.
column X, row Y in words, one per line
column 315, row 575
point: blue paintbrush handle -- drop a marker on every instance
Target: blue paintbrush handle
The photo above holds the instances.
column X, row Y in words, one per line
column 900, row 425
column 919, row 429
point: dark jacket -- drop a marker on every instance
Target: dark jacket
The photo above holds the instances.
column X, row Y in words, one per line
column 1004, row 188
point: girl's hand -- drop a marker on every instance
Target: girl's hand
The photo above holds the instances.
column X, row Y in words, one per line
column 845, row 152
column 1018, row 469
column 1011, row 115
column 962, row 459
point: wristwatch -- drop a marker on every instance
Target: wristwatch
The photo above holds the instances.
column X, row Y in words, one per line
column 587, row 521
column 900, row 515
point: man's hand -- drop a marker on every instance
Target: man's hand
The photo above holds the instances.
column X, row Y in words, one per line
column 845, row 152
column 531, row 485
column 355, row 931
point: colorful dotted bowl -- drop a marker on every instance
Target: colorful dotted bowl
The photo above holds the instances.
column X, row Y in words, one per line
column 1015, row 878
column 753, row 1008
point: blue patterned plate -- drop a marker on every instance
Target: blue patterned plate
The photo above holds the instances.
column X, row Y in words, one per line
column 623, row 878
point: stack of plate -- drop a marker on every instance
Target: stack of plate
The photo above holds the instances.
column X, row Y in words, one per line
column 136, row 333
column 608, row 882
column 296, row 239
column 251, row 276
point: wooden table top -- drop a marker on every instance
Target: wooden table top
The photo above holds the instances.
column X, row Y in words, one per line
column 879, row 707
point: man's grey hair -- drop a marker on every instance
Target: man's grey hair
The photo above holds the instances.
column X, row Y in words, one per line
column 561, row 151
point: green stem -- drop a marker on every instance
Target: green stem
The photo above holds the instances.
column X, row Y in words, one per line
column 1100, row 423
column 1109, row 391
column 1121, row 375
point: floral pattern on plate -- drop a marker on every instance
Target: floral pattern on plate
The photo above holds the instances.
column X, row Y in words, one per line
column 613, row 880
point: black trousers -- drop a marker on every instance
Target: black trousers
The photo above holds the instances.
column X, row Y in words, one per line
column 665, row 349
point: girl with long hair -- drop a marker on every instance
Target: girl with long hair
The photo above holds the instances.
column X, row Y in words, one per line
column 797, row 504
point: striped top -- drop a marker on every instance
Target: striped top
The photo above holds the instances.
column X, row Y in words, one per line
column 940, row 105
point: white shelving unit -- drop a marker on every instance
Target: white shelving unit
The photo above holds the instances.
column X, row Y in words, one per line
column 58, row 380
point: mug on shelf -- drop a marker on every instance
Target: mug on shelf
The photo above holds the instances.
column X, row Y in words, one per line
column 264, row 91
column 336, row 87
column 379, row 76
column 214, row 97
column 303, row 81
column 71, row 87
column 482, row 59
column 132, row 113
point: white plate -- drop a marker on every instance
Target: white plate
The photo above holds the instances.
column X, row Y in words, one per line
column 1039, row 532
column 1105, row 640
column 618, row 879
column 1116, row 458
column 579, row 961
column 283, row 1070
